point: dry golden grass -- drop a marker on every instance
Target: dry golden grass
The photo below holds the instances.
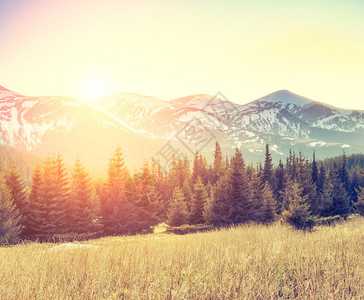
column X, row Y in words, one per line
column 250, row 262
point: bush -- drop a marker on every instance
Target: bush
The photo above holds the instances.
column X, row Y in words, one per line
column 298, row 220
column 328, row 221
column 186, row 229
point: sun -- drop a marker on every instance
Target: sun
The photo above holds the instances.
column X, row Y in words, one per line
column 93, row 87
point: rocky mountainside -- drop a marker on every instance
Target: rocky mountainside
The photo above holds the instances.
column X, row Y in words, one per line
column 148, row 127
column 283, row 119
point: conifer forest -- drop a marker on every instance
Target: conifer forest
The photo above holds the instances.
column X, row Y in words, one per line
column 301, row 191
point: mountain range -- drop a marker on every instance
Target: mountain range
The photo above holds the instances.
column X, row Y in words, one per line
column 151, row 128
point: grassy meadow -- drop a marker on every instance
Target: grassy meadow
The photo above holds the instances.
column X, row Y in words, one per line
column 248, row 262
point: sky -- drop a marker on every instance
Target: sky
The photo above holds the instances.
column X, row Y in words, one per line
column 170, row 49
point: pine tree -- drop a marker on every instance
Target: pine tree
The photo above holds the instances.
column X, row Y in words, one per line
column 187, row 168
column 139, row 187
column 10, row 228
column 83, row 205
column 241, row 206
column 269, row 205
column 291, row 166
column 18, row 192
column 321, row 178
column 199, row 199
column 37, row 209
column 280, row 186
column 142, row 191
column 314, row 169
column 359, row 204
column 340, row 199
column 218, row 165
column 268, row 167
column 187, row 192
column 63, row 190
column 304, row 179
column 180, row 173
column 288, row 194
column 344, row 176
column 177, row 214
column 200, row 168
column 119, row 216
column 298, row 212
column 173, row 173
column 53, row 194
column 217, row 207
column 326, row 200
column 113, row 193
column 256, row 188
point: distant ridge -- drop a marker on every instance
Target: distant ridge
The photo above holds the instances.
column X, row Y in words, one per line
column 143, row 125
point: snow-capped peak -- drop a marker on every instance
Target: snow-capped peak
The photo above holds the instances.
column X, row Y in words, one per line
column 285, row 97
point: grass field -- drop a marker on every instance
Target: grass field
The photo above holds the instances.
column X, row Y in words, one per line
column 249, row 262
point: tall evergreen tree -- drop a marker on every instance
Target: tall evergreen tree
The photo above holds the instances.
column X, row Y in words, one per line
column 268, row 167
column 178, row 214
column 199, row 199
column 298, row 212
column 54, row 217
column 340, row 199
column 321, row 178
column 305, row 181
column 241, row 206
column 113, row 195
column 355, row 183
column 187, row 167
column 197, row 167
column 187, row 192
column 37, row 208
column 289, row 194
column 256, row 189
column 280, row 186
column 314, row 168
column 83, row 205
column 63, row 190
column 269, row 205
column 10, row 227
column 218, row 165
column 291, row 166
column 119, row 216
column 18, row 191
column 217, row 207
column 200, row 168
column 359, row 204
column 344, row 176
column 326, row 200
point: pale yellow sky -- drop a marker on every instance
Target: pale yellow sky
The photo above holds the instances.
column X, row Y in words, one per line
column 169, row 49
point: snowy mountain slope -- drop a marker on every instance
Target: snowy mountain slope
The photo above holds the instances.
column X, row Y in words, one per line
column 142, row 125
column 46, row 125
column 161, row 118
column 25, row 120
column 283, row 118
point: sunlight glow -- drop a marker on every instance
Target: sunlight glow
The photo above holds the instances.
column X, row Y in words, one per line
column 246, row 49
column 93, row 87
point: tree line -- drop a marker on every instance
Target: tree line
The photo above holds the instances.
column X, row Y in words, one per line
column 223, row 193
